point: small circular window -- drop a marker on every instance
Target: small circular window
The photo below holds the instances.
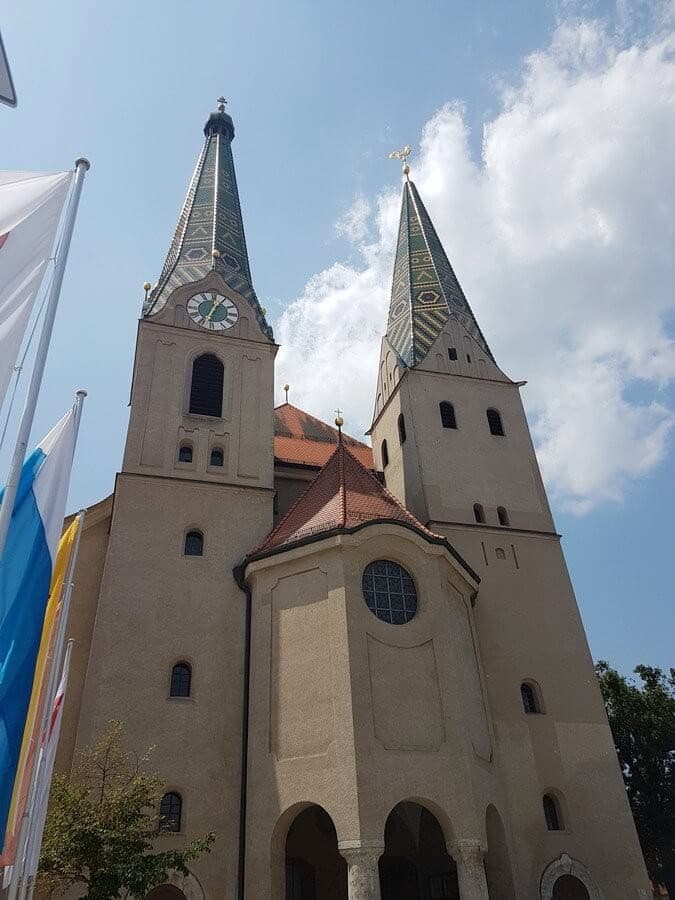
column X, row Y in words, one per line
column 389, row 592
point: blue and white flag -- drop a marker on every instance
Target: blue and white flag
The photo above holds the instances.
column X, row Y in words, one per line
column 25, row 575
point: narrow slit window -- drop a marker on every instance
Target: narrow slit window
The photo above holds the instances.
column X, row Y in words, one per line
column 448, row 418
column 552, row 813
column 495, row 422
column 181, row 680
column 479, row 513
column 529, row 698
column 502, row 515
column 385, row 455
column 401, row 428
column 194, row 543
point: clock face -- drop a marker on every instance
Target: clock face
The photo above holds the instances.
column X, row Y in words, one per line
column 213, row 311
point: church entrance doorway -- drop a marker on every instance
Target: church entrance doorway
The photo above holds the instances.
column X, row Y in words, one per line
column 165, row 892
column 415, row 864
column 314, row 868
column 567, row 887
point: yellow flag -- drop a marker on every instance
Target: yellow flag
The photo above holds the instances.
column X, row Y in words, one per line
column 42, row 668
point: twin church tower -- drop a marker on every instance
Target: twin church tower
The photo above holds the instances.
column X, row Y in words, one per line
column 364, row 670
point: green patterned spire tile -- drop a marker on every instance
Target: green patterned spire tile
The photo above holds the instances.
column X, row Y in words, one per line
column 210, row 220
column 425, row 292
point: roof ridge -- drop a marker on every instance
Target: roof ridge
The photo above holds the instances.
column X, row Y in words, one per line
column 298, row 501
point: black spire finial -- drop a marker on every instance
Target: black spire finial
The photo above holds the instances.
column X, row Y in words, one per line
column 220, row 122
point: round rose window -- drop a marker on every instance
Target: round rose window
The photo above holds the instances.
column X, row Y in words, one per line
column 389, row 592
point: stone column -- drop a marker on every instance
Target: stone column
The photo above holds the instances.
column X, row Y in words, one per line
column 363, row 874
column 468, row 854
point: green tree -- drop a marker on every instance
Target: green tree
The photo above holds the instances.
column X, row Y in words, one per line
column 102, row 826
column 642, row 719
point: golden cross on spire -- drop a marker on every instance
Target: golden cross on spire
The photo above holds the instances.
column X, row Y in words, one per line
column 221, row 104
column 403, row 156
column 339, row 421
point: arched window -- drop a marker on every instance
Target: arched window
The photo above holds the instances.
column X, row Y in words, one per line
column 495, row 422
column 502, row 515
column 452, row 353
column 185, row 453
column 206, row 389
column 552, row 812
column 529, row 697
column 194, row 543
column 448, row 419
column 479, row 513
column 216, row 458
column 170, row 809
column 401, row 429
column 181, row 680
column 385, row 455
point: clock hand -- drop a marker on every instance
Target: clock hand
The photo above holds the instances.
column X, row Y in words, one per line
column 216, row 304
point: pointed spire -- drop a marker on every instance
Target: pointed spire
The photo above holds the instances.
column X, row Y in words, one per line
column 425, row 292
column 210, row 232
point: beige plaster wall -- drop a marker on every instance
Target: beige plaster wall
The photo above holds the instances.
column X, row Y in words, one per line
column 354, row 714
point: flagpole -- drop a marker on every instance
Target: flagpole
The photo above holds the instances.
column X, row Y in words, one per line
column 7, row 506
column 17, row 888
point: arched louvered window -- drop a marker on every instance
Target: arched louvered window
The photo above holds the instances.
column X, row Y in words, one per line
column 385, row 455
column 206, row 389
column 529, row 697
column 502, row 515
column 552, row 813
column 181, row 680
column 170, row 811
column 185, row 453
column 479, row 513
column 495, row 422
column 401, row 428
column 448, row 419
column 194, row 543
column 216, row 458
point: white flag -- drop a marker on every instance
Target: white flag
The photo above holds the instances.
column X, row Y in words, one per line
column 50, row 741
column 30, row 210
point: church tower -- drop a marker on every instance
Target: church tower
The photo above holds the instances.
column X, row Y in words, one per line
column 451, row 436
column 194, row 495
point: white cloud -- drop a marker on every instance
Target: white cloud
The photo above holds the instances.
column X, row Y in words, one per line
column 562, row 236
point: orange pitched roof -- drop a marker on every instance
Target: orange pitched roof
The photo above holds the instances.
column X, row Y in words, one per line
column 301, row 439
column 344, row 494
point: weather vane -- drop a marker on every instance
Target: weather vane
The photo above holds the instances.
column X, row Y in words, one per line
column 221, row 104
column 403, row 156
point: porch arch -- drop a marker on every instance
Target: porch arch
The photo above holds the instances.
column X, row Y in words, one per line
column 567, row 870
column 177, row 887
column 305, row 859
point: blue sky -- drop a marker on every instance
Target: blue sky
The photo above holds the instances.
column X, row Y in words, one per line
column 320, row 94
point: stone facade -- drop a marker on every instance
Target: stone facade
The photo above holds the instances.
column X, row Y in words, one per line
column 334, row 753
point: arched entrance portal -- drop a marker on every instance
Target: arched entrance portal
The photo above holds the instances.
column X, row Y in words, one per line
column 567, row 887
column 165, row 892
column 314, row 868
column 415, row 864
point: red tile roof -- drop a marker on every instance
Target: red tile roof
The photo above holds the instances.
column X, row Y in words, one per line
column 301, row 439
column 343, row 495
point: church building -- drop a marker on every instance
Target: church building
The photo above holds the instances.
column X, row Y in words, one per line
column 363, row 668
